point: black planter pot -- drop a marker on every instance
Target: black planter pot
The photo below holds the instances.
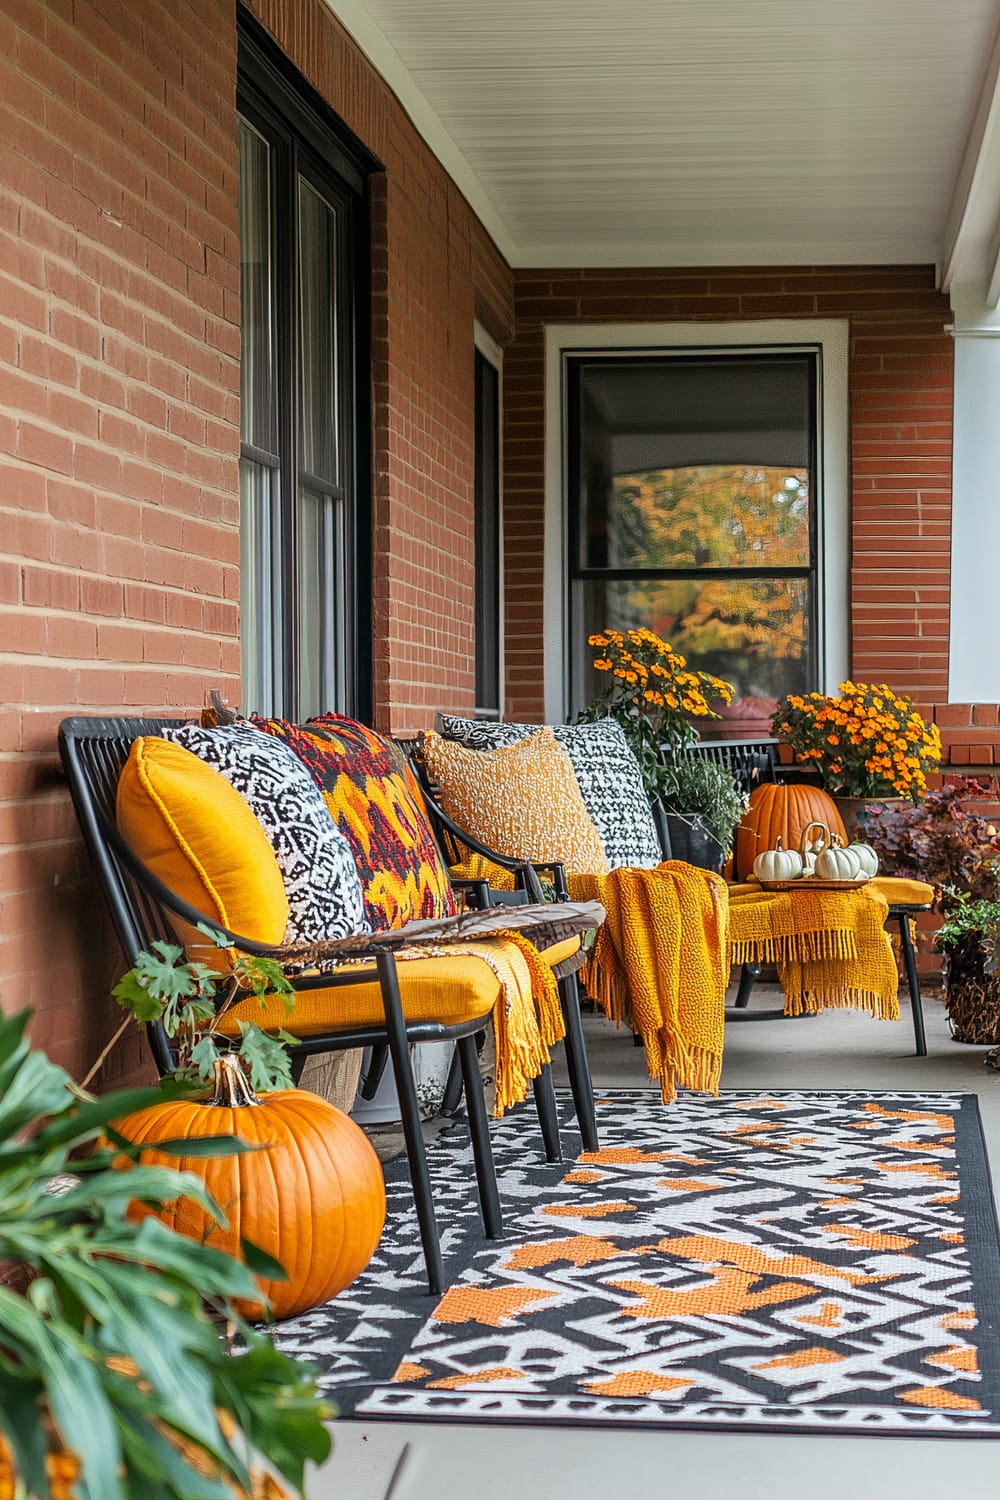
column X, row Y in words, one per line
column 694, row 841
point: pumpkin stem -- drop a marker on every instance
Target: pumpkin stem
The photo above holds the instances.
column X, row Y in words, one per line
column 232, row 1087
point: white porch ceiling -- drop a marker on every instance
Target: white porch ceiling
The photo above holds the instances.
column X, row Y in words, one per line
column 706, row 132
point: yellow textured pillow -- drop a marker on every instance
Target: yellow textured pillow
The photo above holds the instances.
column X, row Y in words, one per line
column 185, row 821
column 522, row 800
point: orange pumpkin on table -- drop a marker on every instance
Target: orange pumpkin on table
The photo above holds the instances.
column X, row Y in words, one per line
column 314, row 1200
column 780, row 811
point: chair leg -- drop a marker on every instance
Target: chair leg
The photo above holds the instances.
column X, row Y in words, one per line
column 452, row 1096
column 578, row 1064
column 912, row 983
column 376, row 1067
column 409, row 1110
column 749, row 974
column 548, row 1118
column 479, row 1130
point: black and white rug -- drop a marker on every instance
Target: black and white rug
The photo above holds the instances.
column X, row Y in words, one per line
column 799, row 1260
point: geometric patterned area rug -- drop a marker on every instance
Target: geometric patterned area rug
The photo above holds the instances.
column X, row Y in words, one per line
column 801, row 1261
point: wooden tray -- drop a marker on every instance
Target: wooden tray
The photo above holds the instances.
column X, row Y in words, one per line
column 813, row 883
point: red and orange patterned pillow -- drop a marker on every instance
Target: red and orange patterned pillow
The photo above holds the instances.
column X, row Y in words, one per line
column 376, row 802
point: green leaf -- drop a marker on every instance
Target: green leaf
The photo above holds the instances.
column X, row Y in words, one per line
column 261, row 1263
column 203, row 1056
column 265, row 1057
column 132, row 994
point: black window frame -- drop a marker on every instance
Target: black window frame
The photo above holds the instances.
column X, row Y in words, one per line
column 575, row 573
column 309, row 139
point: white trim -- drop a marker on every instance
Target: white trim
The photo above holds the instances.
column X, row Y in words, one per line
column 488, row 346
column 832, row 340
column 970, row 236
column 354, row 17
column 491, row 351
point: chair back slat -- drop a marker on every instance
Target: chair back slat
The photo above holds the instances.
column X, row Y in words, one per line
column 751, row 762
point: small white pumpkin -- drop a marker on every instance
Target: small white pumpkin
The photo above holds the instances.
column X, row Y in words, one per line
column 867, row 858
column 838, row 864
column 778, row 864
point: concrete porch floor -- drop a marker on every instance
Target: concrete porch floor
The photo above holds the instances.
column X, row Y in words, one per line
column 397, row 1461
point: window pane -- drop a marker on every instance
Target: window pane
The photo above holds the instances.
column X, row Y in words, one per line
column 753, row 632
column 667, row 449
column 257, row 386
column 318, row 336
column 321, row 605
column 710, row 517
column 260, row 602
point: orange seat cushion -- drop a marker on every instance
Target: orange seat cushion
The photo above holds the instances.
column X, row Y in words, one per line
column 184, row 820
column 448, row 990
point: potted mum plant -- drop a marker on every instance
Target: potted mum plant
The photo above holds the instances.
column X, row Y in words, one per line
column 866, row 744
column 653, row 696
column 116, row 1380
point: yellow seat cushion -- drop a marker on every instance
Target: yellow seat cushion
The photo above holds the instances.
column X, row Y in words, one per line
column 184, row 820
column 561, row 951
column 522, row 800
column 448, row 990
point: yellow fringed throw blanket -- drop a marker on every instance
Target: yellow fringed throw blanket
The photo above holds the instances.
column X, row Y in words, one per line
column 527, row 1018
column 830, row 948
column 660, row 964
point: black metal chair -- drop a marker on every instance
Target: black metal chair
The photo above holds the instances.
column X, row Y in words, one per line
column 456, row 844
column 93, row 752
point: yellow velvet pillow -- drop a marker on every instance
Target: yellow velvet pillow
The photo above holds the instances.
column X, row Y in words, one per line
column 185, row 821
column 522, row 800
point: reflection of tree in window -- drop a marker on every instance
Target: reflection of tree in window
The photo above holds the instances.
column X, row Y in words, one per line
column 752, row 631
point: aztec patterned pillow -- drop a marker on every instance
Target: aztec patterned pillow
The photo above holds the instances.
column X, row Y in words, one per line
column 608, row 773
column 376, row 803
column 522, row 800
column 316, row 862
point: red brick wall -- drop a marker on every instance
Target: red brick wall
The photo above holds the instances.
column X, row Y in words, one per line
column 119, row 434
column 900, row 395
column 435, row 271
column 119, row 424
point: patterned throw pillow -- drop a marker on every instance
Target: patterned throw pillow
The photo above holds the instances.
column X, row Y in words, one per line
column 378, row 807
column 316, row 861
column 608, row 773
column 522, row 800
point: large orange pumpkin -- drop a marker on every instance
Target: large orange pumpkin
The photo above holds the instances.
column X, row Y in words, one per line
column 314, row 1200
column 777, row 810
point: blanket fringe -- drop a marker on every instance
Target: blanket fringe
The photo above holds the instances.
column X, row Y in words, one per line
column 881, row 1007
column 794, row 947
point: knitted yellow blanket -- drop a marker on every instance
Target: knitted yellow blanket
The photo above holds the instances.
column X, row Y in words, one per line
column 830, row 948
column 660, row 964
column 527, row 1018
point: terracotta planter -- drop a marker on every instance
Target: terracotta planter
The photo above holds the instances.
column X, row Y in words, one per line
column 854, row 811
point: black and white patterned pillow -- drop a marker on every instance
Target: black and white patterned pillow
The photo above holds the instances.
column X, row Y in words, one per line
column 317, row 866
column 607, row 771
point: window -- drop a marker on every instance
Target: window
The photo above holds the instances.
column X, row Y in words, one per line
column 489, row 701
column 304, row 531
column 692, row 510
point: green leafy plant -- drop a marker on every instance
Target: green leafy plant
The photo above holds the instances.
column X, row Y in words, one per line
column 111, row 1346
column 191, row 1001
column 969, row 918
column 695, row 785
